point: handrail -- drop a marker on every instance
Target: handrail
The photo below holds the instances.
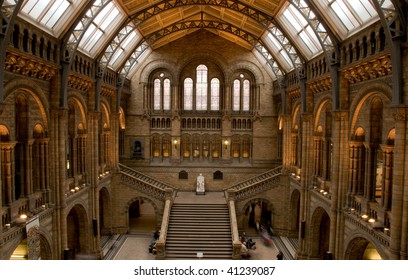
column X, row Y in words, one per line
column 144, row 183
column 142, row 177
column 236, row 243
column 256, row 179
column 161, row 242
column 256, row 184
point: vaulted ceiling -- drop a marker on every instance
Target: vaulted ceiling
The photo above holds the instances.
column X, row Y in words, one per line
column 282, row 34
column 243, row 15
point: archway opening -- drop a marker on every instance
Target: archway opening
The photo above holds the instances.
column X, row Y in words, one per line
column 362, row 249
column 21, row 251
column 142, row 217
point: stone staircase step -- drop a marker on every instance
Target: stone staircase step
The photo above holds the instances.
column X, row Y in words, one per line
column 201, row 228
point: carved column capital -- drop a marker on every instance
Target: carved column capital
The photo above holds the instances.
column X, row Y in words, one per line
column 400, row 114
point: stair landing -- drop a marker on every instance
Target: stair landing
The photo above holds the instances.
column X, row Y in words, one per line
column 207, row 198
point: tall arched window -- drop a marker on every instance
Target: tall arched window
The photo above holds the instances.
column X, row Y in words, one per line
column 157, row 94
column 241, row 95
column 236, row 98
column 166, row 95
column 161, row 93
column 201, row 88
column 215, row 94
column 201, row 93
column 245, row 96
column 188, row 94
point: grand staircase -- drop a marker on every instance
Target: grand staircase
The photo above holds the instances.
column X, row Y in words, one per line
column 196, row 228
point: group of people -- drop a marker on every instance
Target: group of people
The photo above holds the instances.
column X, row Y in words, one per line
column 246, row 244
column 152, row 245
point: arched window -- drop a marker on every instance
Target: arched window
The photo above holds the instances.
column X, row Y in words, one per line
column 236, row 99
column 157, row 94
column 166, row 95
column 201, row 93
column 188, row 94
column 161, row 93
column 245, row 96
column 201, row 88
column 241, row 95
column 215, row 94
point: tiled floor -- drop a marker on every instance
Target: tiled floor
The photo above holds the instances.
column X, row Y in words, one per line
column 135, row 245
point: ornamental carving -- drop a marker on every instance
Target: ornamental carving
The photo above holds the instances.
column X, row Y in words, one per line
column 29, row 66
column 400, row 114
column 375, row 68
column 79, row 83
column 320, row 85
column 294, row 93
column 107, row 91
column 33, row 243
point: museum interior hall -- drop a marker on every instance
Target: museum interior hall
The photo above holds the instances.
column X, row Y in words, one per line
column 184, row 129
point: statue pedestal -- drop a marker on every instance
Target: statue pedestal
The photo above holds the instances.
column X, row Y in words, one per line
column 200, row 189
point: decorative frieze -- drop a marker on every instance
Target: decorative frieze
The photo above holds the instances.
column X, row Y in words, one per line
column 29, row 66
column 322, row 84
column 80, row 83
column 294, row 93
column 108, row 91
column 371, row 69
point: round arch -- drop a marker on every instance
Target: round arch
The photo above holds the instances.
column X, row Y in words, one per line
column 137, row 201
column 248, row 222
column 34, row 90
column 78, row 230
column 319, row 233
column 79, row 101
column 105, row 211
column 368, row 91
column 294, row 219
column 363, row 247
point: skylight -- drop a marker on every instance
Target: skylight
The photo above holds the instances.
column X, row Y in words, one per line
column 52, row 15
column 281, row 54
column 101, row 29
column 124, row 49
column 351, row 14
column 301, row 31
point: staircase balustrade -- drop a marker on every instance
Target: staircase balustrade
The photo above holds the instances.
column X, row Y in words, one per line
column 161, row 243
column 256, row 184
column 148, row 185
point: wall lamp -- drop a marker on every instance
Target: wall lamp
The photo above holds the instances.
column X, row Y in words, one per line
column 226, row 143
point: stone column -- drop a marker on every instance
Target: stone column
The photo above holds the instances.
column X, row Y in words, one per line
column 93, row 171
column 306, row 178
column 114, row 141
column 29, row 167
column 62, row 175
column 44, row 168
column 286, row 139
column 340, row 180
column 355, row 170
column 399, row 216
column 7, row 166
column 387, row 177
column 369, row 171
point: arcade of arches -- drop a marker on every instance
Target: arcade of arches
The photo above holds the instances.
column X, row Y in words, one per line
column 323, row 151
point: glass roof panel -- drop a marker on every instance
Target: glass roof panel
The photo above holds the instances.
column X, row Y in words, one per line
column 124, row 50
column 101, row 29
column 301, row 31
column 52, row 15
column 136, row 66
column 277, row 48
column 352, row 15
